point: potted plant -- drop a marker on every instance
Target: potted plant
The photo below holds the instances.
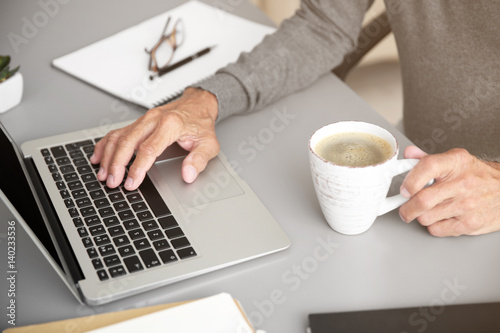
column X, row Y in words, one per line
column 11, row 85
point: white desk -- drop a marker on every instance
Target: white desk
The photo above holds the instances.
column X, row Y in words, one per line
column 392, row 265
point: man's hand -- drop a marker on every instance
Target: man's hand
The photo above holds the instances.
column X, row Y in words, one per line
column 189, row 120
column 464, row 200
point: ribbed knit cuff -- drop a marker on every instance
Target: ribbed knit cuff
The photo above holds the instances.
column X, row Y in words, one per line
column 231, row 96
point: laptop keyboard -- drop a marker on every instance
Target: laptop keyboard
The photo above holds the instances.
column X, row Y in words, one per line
column 123, row 231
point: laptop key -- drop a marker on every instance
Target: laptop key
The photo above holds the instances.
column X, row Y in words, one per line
column 76, row 185
column 136, row 234
column 56, row 176
column 58, row 151
column 97, row 194
column 97, row 263
column 48, row 160
column 60, row 185
column 131, row 224
column 97, row 230
column 92, row 186
column 80, row 161
column 67, row 169
column 82, row 232
column 180, row 243
column 106, row 250
column 167, row 256
column 150, row 225
column 115, row 197
column 87, row 242
column 121, row 205
column 73, row 212
column 53, row 168
column 116, row 231
column 65, row 194
column 155, row 234
column 105, row 212
column 101, row 203
column 174, row 233
column 127, row 250
column 92, row 220
column 69, row 203
column 111, row 221
column 168, row 222
column 141, row 244
column 45, row 152
column 84, row 169
column 92, row 252
column 153, row 198
column 117, row 271
column 121, row 240
column 77, row 194
column 161, row 244
column 63, row 161
column 112, row 260
column 77, row 221
column 186, row 253
column 126, row 215
column 75, row 154
column 89, row 177
column 83, row 202
column 149, row 258
column 102, row 275
column 87, row 211
column 144, row 216
column 133, row 264
column 134, row 197
column 101, row 240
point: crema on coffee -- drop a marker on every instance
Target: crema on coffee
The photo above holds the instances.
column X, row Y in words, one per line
column 354, row 149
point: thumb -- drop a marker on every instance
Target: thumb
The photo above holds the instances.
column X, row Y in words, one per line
column 414, row 152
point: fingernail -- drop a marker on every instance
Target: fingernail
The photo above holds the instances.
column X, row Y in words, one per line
column 101, row 172
column 129, row 182
column 92, row 157
column 402, row 218
column 110, row 180
column 404, row 192
column 191, row 174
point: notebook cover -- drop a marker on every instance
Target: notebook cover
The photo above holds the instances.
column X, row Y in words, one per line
column 437, row 318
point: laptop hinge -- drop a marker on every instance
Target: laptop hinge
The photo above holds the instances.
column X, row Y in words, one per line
column 62, row 245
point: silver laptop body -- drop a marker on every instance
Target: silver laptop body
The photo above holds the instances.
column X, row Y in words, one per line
column 213, row 223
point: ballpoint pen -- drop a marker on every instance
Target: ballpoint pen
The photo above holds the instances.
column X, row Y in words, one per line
column 182, row 62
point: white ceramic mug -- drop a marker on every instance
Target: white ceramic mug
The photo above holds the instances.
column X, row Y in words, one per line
column 351, row 198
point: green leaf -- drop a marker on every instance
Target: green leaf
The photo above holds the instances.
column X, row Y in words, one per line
column 4, row 62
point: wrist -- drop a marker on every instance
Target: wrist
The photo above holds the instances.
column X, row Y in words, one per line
column 207, row 99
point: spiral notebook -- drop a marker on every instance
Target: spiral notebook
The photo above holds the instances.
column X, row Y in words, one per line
column 119, row 64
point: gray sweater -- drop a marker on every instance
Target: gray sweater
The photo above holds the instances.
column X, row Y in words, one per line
column 448, row 53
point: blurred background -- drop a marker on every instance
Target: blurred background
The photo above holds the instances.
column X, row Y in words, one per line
column 377, row 79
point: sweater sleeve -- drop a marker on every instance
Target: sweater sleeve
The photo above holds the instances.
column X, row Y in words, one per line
column 304, row 47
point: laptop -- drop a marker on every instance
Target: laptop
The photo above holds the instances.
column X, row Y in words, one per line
column 166, row 231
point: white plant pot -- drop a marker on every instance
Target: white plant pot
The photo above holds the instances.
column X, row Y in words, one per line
column 11, row 92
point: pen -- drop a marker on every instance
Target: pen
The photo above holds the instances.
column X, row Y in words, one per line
column 182, row 62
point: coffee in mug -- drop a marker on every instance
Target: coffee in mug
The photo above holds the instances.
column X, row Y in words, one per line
column 355, row 149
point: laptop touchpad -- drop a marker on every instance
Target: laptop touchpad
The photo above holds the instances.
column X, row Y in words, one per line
column 213, row 184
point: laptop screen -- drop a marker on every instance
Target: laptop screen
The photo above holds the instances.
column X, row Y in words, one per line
column 14, row 184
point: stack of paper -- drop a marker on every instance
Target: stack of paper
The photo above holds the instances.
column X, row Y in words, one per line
column 119, row 64
column 215, row 314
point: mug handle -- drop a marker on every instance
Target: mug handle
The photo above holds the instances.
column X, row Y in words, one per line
column 397, row 200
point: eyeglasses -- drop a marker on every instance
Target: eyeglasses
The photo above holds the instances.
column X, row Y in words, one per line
column 162, row 52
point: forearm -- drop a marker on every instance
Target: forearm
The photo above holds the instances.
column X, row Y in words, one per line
column 305, row 47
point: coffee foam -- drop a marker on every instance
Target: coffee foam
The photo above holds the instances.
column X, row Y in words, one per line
column 355, row 149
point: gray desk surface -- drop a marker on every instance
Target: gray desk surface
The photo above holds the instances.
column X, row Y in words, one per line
column 392, row 265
